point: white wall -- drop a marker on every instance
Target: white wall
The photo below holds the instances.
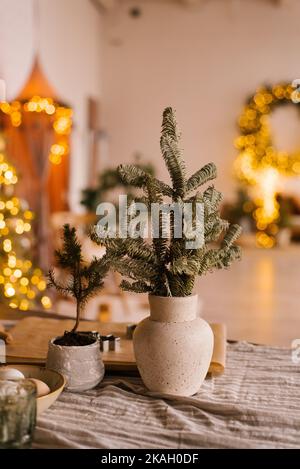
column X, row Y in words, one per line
column 204, row 62
column 70, row 52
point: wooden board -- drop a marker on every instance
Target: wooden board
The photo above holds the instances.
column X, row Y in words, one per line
column 32, row 334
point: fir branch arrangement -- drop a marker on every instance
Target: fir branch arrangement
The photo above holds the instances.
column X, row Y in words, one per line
column 165, row 267
column 83, row 280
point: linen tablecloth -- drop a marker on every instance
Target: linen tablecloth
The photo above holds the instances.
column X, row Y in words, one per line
column 254, row 404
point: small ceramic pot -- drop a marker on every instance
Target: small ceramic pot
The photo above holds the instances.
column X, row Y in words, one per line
column 173, row 346
column 82, row 366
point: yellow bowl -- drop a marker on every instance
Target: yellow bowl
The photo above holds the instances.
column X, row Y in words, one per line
column 53, row 379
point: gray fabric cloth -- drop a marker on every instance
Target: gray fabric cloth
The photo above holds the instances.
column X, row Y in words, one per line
column 254, row 404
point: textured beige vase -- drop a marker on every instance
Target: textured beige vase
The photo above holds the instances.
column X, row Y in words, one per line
column 173, row 346
column 82, row 366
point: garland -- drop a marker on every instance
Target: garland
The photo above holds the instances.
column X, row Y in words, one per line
column 259, row 163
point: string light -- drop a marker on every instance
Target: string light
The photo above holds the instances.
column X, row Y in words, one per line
column 21, row 284
column 61, row 121
column 46, row 302
column 259, row 164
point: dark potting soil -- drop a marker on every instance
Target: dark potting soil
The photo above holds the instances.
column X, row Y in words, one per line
column 72, row 339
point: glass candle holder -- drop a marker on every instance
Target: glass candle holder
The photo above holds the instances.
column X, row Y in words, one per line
column 17, row 413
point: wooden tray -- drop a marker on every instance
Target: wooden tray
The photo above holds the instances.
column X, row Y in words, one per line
column 32, row 334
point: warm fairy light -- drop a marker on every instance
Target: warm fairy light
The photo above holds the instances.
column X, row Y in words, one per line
column 20, row 282
column 42, row 285
column 264, row 240
column 55, row 159
column 24, row 305
column 46, row 302
column 50, row 109
column 57, row 151
column 27, row 265
column 35, row 280
column 9, row 290
column 259, row 164
column 31, row 294
column 9, row 174
column 267, row 187
column 7, row 245
column 24, row 281
column 61, row 121
column 12, row 261
column 28, row 215
column 7, row 271
column 14, row 210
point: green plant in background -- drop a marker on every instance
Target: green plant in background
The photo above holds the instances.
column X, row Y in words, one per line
column 83, row 280
column 165, row 267
column 108, row 180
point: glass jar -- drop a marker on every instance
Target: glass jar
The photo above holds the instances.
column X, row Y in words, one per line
column 17, row 413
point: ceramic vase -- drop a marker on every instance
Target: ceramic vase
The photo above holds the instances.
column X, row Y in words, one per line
column 173, row 346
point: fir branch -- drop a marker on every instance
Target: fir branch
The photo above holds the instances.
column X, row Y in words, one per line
column 172, row 157
column 231, row 236
column 52, row 282
column 212, row 198
column 133, row 175
column 185, row 265
column 117, row 247
column 138, row 249
column 181, row 285
column 163, row 188
column 137, row 177
column 70, row 255
column 136, row 287
column 169, row 124
column 136, row 269
column 170, row 151
column 214, row 227
column 200, row 177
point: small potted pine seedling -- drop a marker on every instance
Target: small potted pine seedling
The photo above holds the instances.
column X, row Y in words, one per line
column 75, row 354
